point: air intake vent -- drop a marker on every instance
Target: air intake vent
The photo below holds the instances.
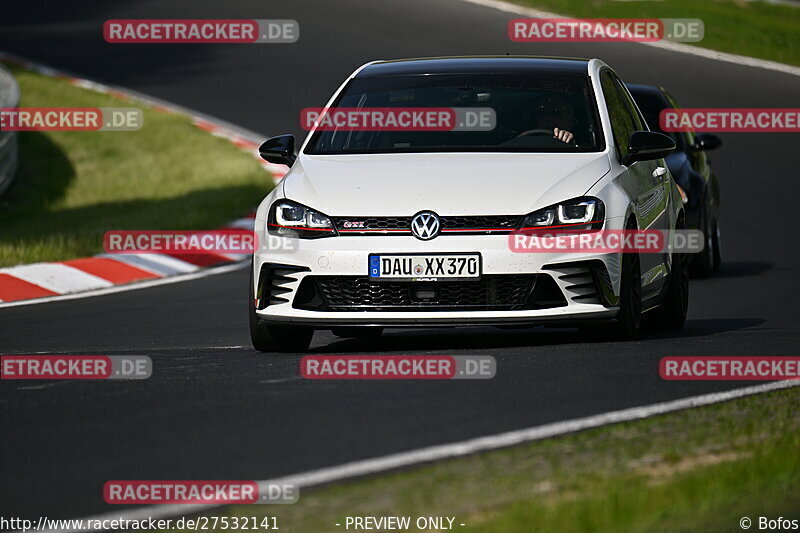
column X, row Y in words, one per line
column 274, row 283
column 585, row 282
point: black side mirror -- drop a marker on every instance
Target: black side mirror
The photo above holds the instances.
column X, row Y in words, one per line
column 706, row 141
column 278, row 150
column 648, row 145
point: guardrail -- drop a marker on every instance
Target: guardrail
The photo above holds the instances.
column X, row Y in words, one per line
column 9, row 97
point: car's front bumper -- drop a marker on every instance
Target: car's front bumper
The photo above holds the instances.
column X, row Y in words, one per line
column 588, row 282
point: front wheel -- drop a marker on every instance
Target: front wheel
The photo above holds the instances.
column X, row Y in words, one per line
column 629, row 319
column 282, row 339
column 270, row 338
column 672, row 313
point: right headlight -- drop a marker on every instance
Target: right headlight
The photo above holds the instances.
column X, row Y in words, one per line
column 291, row 219
column 584, row 213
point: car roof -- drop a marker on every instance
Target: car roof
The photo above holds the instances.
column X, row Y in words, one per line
column 474, row 64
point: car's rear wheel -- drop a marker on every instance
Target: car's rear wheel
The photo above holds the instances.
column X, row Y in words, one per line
column 271, row 338
column 717, row 244
column 359, row 332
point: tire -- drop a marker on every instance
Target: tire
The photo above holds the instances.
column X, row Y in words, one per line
column 672, row 313
column 281, row 339
column 703, row 263
column 629, row 319
column 269, row 338
column 358, row 332
column 717, row 244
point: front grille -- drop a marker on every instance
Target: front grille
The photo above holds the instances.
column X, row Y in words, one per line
column 490, row 293
column 470, row 225
column 500, row 223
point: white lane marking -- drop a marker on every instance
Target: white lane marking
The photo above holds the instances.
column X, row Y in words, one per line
column 138, row 261
column 458, row 449
column 673, row 47
column 57, row 277
column 133, row 286
column 45, row 386
column 279, row 380
column 236, row 257
column 217, row 348
column 158, row 264
column 277, row 170
column 169, row 262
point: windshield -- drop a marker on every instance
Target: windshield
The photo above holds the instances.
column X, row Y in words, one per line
column 531, row 114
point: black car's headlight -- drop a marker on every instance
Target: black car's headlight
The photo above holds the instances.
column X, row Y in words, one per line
column 580, row 213
column 290, row 219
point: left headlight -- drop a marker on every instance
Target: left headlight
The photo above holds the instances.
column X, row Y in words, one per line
column 585, row 213
column 291, row 219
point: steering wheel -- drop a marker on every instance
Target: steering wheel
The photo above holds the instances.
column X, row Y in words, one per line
column 535, row 131
column 544, row 132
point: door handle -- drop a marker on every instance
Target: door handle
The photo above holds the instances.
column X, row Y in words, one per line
column 659, row 173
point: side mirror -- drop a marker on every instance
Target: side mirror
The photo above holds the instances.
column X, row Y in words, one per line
column 706, row 141
column 648, row 145
column 278, row 150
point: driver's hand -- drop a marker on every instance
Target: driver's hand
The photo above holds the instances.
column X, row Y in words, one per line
column 562, row 135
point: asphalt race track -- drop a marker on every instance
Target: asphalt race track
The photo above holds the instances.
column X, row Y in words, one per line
column 217, row 409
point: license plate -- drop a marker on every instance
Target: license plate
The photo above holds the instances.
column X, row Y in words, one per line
column 434, row 267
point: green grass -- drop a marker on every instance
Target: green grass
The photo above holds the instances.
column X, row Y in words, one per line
column 72, row 187
column 696, row 470
column 755, row 29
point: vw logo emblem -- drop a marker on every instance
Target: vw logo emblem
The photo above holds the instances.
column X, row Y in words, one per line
column 425, row 225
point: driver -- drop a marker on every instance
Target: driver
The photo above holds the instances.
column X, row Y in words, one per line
column 554, row 112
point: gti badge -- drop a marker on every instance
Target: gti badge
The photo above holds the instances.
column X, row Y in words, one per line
column 353, row 224
column 425, row 225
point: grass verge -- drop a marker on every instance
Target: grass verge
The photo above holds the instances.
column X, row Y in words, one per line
column 755, row 29
column 72, row 187
column 696, row 470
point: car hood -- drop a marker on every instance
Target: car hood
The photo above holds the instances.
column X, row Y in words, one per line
column 450, row 184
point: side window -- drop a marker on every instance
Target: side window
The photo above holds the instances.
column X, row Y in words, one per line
column 622, row 122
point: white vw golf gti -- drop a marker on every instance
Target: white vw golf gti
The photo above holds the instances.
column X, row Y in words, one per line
column 405, row 227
